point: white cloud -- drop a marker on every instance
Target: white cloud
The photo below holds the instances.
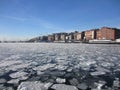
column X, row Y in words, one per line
column 49, row 26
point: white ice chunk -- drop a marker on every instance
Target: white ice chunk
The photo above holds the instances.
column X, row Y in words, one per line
column 61, row 67
column 60, row 80
column 14, row 81
column 63, row 87
column 69, row 69
column 39, row 72
column 44, row 67
column 47, row 85
column 19, row 66
column 97, row 73
column 34, row 85
column 99, row 85
column 20, row 74
column 8, row 63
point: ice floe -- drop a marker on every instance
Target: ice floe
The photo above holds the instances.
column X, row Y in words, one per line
column 44, row 67
column 60, row 64
column 20, row 75
column 18, row 66
column 14, row 81
column 36, row 85
column 9, row 63
column 82, row 86
column 60, row 80
column 63, row 87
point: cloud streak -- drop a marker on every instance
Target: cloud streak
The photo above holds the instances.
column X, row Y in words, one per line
column 46, row 24
column 36, row 21
column 14, row 18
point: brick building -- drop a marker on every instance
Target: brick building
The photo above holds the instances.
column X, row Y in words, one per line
column 104, row 33
column 107, row 33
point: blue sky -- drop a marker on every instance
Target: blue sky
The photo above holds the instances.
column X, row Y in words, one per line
column 24, row 19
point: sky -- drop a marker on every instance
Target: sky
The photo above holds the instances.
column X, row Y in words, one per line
column 25, row 19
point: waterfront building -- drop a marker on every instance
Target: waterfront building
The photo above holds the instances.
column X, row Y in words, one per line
column 44, row 38
column 36, row 39
column 90, row 34
column 78, row 36
column 57, row 36
column 63, row 36
column 50, row 38
column 107, row 33
column 70, row 37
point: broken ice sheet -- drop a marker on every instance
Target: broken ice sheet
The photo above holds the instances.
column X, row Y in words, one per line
column 44, row 67
column 18, row 66
column 9, row 63
column 63, row 87
column 20, row 74
column 57, row 60
column 35, row 85
column 14, row 81
column 60, row 80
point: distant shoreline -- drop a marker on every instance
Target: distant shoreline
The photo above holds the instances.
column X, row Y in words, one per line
column 68, row 42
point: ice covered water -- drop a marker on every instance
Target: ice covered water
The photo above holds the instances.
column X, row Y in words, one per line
column 93, row 66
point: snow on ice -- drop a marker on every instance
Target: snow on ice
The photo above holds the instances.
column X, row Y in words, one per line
column 80, row 66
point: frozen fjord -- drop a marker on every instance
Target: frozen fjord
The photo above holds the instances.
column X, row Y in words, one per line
column 75, row 66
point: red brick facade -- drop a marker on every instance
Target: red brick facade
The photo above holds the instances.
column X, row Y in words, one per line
column 106, row 33
column 99, row 34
